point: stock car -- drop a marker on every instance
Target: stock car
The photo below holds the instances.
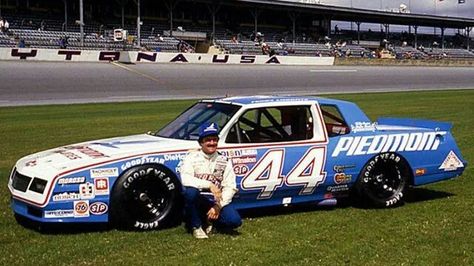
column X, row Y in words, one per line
column 285, row 150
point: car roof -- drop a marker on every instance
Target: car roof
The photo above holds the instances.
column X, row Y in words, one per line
column 262, row 99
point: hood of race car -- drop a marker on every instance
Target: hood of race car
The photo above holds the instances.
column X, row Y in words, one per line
column 62, row 159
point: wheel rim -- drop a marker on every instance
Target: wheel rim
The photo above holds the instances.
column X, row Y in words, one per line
column 148, row 199
column 385, row 181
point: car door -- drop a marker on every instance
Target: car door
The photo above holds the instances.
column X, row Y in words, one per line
column 278, row 153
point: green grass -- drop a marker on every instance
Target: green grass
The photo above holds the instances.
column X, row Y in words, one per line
column 436, row 227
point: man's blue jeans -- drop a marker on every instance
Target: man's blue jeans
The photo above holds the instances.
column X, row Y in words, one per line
column 197, row 205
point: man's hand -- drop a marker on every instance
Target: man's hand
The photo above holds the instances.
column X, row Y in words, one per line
column 214, row 212
column 216, row 192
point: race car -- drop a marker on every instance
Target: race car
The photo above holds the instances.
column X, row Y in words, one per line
column 285, row 150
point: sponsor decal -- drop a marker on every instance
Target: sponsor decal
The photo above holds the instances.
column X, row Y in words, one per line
column 328, row 196
column 66, row 196
column 98, row 208
column 425, row 141
column 175, row 157
column 286, row 201
column 68, row 154
column 241, row 169
column 363, row 127
column 154, row 160
column 81, row 208
column 451, row 162
column 420, row 171
column 101, row 185
column 31, row 163
column 71, row 180
column 244, row 160
column 342, row 178
column 58, row 213
column 86, row 191
column 92, row 153
column 104, row 172
column 338, row 188
column 342, row 168
column 239, row 153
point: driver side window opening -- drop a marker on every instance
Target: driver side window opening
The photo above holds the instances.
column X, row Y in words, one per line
column 333, row 120
column 273, row 124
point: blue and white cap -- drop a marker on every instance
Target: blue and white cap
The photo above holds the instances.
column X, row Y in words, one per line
column 208, row 129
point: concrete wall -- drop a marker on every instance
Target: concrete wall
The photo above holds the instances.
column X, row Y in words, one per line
column 33, row 54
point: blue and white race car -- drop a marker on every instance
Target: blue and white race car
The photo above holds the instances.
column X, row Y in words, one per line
column 284, row 150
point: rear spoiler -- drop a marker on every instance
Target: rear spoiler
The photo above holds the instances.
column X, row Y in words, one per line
column 435, row 125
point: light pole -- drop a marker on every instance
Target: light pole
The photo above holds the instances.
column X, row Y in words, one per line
column 81, row 21
column 138, row 24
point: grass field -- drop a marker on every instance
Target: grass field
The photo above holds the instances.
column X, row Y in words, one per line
column 436, row 227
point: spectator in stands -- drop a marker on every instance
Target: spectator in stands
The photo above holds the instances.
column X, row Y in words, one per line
column 265, row 49
column 42, row 26
column 21, row 43
column 63, row 42
column 4, row 25
column 336, row 29
column 181, row 46
column 159, row 38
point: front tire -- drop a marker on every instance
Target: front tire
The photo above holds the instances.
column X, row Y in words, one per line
column 383, row 180
column 146, row 197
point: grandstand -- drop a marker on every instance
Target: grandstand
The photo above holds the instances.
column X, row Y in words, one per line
column 233, row 29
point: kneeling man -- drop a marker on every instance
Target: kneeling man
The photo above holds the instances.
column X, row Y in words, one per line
column 204, row 171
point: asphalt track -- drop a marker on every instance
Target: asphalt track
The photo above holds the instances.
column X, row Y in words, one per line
column 34, row 83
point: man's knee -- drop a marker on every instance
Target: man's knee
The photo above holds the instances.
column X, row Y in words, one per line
column 234, row 222
column 230, row 218
column 191, row 193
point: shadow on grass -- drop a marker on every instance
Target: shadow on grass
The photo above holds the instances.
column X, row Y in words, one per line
column 62, row 228
column 412, row 195
column 415, row 195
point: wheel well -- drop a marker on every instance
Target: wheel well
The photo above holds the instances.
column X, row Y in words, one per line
column 406, row 168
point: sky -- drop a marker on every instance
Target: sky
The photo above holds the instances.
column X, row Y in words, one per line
column 449, row 8
column 432, row 7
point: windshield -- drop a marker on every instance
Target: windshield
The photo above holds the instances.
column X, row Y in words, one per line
column 186, row 125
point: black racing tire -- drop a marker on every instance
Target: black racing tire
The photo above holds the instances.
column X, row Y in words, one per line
column 146, row 197
column 383, row 181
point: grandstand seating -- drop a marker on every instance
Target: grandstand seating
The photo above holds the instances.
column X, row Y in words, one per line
column 406, row 52
column 449, row 53
column 40, row 31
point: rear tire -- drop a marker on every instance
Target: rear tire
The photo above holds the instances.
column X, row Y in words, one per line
column 146, row 197
column 383, row 181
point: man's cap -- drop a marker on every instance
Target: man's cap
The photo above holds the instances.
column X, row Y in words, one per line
column 208, row 129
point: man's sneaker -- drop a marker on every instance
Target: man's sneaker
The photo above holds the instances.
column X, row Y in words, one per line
column 208, row 229
column 199, row 233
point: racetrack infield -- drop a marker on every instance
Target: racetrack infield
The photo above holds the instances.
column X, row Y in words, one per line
column 433, row 228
